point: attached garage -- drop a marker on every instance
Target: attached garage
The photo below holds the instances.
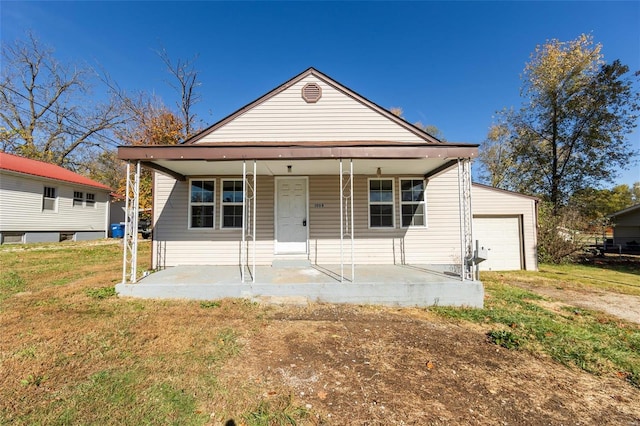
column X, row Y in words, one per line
column 505, row 223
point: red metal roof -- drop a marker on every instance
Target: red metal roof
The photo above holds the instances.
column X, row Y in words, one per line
column 46, row 170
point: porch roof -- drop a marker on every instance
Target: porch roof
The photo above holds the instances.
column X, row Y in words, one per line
column 405, row 158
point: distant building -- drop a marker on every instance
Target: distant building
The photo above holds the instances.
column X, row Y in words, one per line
column 42, row 202
column 626, row 228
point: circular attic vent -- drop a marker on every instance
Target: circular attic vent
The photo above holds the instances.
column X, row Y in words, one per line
column 311, row 92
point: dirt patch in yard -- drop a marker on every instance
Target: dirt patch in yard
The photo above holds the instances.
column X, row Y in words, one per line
column 623, row 306
column 374, row 366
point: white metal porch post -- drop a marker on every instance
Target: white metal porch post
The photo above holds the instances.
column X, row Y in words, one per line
column 243, row 253
column 466, row 220
column 130, row 238
column 349, row 217
column 249, row 208
column 341, row 227
column 353, row 263
column 254, row 194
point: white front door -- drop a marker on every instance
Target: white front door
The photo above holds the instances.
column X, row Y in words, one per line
column 291, row 215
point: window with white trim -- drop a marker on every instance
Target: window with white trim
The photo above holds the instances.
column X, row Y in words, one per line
column 49, row 198
column 202, row 203
column 381, row 203
column 78, row 198
column 90, row 199
column 232, row 197
column 412, row 203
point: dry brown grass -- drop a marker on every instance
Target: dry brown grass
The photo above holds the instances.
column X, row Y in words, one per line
column 70, row 357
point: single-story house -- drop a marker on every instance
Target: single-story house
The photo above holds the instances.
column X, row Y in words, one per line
column 312, row 177
column 626, row 228
column 42, row 202
column 505, row 223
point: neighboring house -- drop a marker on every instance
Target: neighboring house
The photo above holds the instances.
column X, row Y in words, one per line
column 42, row 202
column 505, row 223
column 314, row 172
column 626, row 228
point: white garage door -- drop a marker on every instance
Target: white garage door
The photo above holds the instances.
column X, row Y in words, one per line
column 501, row 236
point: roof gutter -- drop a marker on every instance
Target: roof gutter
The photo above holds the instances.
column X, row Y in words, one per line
column 230, row 153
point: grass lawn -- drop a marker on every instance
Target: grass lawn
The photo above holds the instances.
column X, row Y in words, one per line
column 619, row 275
column 591, row 340
column 71, row 352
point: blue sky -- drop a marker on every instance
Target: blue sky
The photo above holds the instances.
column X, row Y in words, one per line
column 450, row 64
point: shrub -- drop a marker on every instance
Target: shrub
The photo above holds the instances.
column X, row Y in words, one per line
column 504, row 338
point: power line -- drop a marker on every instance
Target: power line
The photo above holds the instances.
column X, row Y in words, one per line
column 75, row 123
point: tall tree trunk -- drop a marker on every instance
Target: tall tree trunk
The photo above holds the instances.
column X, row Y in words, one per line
column 555, row 178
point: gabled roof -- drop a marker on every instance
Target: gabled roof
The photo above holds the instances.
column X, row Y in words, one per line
column 625, row 211
column 273, row 131
column 505, row 191
column 14, row 163
column 329, row 81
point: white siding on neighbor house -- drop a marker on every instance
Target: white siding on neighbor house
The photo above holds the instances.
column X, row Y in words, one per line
column 287, row 117
column 436, row 244
column 497, row 204
column 21, row 206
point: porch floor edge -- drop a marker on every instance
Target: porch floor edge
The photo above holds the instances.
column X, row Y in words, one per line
column 450, row 293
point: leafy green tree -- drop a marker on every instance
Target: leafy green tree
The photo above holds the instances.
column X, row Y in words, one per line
column 635, row 193
column 595, row 204
column 571, row 133
column 499, row 169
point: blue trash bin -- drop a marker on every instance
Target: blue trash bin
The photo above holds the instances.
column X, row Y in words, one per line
column 117, row 230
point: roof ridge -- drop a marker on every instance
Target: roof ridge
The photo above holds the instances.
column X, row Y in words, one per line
column 29, row 166
column 327, row 80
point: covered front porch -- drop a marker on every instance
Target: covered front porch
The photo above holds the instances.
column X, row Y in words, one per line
column 300, row 282
column 345, row 259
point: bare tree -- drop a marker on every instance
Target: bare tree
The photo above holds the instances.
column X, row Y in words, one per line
column 429, row 128
column 186, row 82
column 47, row 110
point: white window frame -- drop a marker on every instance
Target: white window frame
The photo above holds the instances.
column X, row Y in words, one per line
column 224, row 203
column 423, row 202
column 78, row 199
column 90, row 199
column 202, row 203
column 54, row 198
column 392, row 203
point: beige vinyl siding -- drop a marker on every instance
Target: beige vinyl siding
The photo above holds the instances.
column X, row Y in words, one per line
column 488, row 202
column 176, row 244
column 438, row 243
column 21, row 206
column 286, row 117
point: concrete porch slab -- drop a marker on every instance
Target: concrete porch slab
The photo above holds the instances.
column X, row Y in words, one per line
column 395, row 285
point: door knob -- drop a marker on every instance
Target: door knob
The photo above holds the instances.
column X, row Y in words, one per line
column 304, row 222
